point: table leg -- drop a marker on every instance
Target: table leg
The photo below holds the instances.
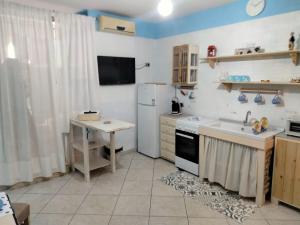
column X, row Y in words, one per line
column 71, row 150
column 112, row 151
column 26, row 222
column 86, row 158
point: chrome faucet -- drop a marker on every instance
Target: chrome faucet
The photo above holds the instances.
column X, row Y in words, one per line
column 246, row 123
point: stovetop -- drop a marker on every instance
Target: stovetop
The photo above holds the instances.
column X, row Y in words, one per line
column 192, row 123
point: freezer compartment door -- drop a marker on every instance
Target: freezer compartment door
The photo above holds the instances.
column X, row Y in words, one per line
column 147, row 131
column 147, row 94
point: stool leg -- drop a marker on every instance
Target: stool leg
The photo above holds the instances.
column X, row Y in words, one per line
column 86, row 156
column 113, row 151
column 26, row 222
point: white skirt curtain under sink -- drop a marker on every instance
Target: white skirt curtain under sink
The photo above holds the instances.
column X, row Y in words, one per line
column 232, row 165
column 37, row 91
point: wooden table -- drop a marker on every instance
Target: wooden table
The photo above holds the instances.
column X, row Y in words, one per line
column 110, row 126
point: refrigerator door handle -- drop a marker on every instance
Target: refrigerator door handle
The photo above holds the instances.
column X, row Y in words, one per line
column 145, row 104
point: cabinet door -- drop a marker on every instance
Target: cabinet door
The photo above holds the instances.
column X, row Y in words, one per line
column 289, row 173
column 279, row 167
column 176, row 64
column 296, row 200
column 286, row 186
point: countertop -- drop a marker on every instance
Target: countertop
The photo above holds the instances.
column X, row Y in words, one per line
column 174, row 116
column 114, row 125
column 288, row 137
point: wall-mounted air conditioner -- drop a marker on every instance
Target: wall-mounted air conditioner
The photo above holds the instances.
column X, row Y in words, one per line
column 119, row 26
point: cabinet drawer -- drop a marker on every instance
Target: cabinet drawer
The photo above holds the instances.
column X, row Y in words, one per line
column 167, row 146
column 168, row 121
column 167, row 130
column 167, row 138
column 168, row 155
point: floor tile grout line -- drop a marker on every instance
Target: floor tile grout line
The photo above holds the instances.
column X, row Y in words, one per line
column 53, row 195
column 151, row 193
column 187, row 215
column 50, row 179
column 112, row 213
column 84, row 198
column 267, row 221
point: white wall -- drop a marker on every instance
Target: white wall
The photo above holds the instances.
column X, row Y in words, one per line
column 271, row 33
column 120, row 102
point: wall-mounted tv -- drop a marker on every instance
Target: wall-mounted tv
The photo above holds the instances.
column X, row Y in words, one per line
column 116, row 70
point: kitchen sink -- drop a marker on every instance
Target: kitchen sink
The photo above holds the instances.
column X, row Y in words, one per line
column 238, row 128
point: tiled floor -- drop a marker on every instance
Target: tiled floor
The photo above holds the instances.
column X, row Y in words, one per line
column 131, row 196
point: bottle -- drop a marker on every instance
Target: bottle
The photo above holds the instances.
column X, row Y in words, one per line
column 292, row 42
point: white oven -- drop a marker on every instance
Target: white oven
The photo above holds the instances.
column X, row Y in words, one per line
column 187, row 143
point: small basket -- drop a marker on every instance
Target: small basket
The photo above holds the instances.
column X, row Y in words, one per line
column 89, row 117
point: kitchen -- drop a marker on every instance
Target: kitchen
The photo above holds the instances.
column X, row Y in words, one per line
column 150, row 112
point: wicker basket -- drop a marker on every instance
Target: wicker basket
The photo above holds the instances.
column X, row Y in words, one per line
column 89, row 117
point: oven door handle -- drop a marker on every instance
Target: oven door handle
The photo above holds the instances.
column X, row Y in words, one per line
column 186, row 136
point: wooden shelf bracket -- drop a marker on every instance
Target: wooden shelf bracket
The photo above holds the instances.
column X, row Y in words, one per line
column 212, row 63
column 294, row 57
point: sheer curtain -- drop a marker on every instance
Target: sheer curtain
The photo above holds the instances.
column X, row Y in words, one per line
column 75, row 48
column 44, row 77
column 30, row 142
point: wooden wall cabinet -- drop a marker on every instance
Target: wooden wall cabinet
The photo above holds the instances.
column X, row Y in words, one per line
column 185, row 65
column 286, row 171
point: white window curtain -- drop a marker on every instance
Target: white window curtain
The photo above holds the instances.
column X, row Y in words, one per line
column 75, row 48
column 44, row 77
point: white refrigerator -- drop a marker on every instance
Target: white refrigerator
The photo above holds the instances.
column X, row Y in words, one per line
column 153, row 101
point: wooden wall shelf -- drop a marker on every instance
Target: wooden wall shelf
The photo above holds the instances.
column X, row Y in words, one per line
column 228, row 84
column 294, row 55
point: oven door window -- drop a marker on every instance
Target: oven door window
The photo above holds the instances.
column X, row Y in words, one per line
column 187, row 146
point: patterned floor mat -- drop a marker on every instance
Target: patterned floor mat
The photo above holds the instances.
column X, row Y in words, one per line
column 228, row 203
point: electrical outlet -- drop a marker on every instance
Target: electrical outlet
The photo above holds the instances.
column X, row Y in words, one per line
column 147, row 64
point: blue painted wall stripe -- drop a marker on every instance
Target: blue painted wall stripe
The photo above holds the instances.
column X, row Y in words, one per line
column 227, row 14
column 224, row 15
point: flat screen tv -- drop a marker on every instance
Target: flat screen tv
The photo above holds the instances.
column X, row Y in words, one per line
column 116, row 70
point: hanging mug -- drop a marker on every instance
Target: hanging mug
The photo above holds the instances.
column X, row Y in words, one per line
column 242, row 98
column 276, row 100
column 258, row 99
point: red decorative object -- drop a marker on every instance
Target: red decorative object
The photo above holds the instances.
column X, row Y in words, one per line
column 211, row 51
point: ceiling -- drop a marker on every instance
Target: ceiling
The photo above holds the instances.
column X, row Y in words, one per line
column 145, row 9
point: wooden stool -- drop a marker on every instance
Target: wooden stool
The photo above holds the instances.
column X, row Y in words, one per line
column 22, row 212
